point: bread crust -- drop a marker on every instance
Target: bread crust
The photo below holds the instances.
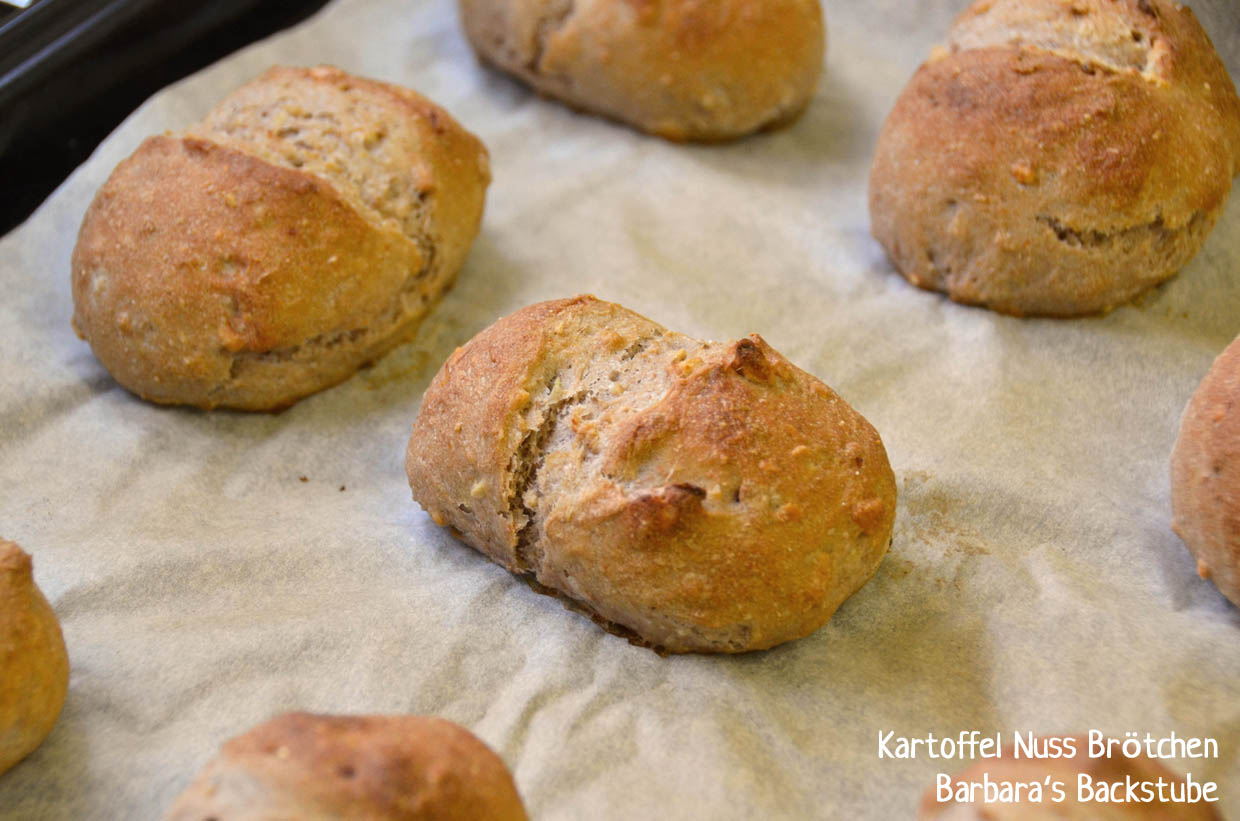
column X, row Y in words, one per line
column 1205, row 475
column 34, row 667
column 693, row 496
column 703, row 70
column 212, row 270
column 1057, row 162
column 1008, row 768
column 378, row 768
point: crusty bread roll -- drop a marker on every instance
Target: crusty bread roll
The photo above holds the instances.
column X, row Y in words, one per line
column 1205, row 475
column 1057, row 158
column 303, row 229
column 691, row 496
column 1066, row 771
column 376, row 768
column 682, row 69
column 34, row 668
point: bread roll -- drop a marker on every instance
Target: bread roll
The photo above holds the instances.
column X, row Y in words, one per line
column 1057, row 158
column 1205, row 475
column 303, row 229
column 376, row 768
column 1065, row 770
column 681, row 69
column 34, row 668
column 691, row 496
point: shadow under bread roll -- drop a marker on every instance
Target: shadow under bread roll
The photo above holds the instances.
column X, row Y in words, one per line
column 303, row 229
column 691, row 496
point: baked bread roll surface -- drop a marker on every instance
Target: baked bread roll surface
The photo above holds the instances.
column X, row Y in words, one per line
column 1057, row 158
column 302, row 230
column 34, row 667
column 681, row 69
column 1205, row 475
column 689, row 495
column 377, row 768
column 1066, row 770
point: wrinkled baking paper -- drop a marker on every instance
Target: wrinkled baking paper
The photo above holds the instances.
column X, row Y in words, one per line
column 1034, row 584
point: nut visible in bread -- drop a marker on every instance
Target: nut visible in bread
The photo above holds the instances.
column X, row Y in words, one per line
column 377, row 768
column 691, row 496
column 1057, row 158
column 300, row 231
column 34, row 667
column 703, row 70
column 1205, row 475
column 1068, row 770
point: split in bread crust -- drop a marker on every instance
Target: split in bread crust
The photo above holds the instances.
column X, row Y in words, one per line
column 692, row 496
column 1057, row 158
column 302, row 230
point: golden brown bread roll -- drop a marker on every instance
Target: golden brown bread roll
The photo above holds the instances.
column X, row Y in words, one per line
column 689, row 495
column 1057, row 158
column 1067, row 772
column 1205, row 475
column 34, row 668
column 303, row 229
column 681, row 69
column 376, row 768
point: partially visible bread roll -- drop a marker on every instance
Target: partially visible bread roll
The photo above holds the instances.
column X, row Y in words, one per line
column 681, row 69
column 302, row 230
column 1066, row 771
column 371, row 768
column 1057, row 158
column 689, row 495
column 1205, row 475
column 34, row 668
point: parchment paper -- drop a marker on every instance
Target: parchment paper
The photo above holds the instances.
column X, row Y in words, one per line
column 1034, row 583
